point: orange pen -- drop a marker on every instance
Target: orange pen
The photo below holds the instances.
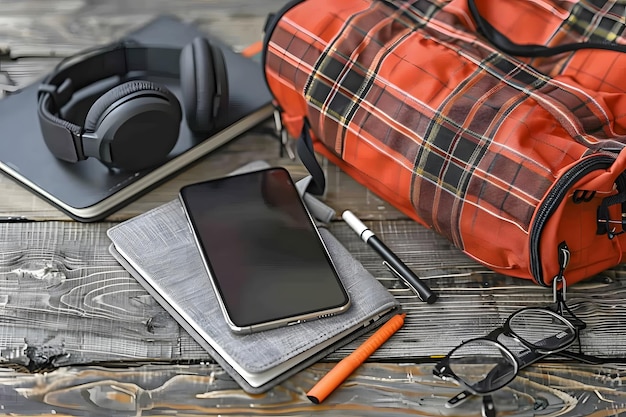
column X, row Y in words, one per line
column 347, row 365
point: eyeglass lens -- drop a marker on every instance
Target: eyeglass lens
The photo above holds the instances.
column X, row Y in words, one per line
column 542, row 329
column 482, row 365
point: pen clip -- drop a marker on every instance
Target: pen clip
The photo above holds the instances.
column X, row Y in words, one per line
column 401, row 278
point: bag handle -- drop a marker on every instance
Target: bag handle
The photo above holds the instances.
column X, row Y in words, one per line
column 503, row 43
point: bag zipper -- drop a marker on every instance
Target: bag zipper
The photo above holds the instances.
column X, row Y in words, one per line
column 554, row 198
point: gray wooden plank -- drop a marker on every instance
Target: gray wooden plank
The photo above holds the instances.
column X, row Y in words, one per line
column 61, row 27
column 376, row 389
column 65, row 301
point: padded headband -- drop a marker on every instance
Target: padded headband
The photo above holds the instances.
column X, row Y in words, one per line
column 77, row 72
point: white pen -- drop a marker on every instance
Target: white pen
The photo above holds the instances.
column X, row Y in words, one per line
column 392, row 261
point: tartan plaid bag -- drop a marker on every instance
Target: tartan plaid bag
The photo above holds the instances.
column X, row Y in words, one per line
column 499, row 124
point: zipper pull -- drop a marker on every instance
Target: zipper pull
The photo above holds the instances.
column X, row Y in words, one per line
column 559, row 286
column 564, row 257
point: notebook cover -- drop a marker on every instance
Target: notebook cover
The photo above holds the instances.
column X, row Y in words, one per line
column 157, row 247
column 89, row 191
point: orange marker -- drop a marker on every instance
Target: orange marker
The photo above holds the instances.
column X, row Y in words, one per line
column 347, row 365
column 252, row 49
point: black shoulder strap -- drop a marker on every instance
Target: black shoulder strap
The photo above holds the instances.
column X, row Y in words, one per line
column 304, row 146
column 532, row 50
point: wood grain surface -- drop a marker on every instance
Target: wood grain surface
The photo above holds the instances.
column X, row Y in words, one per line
column 79, row 336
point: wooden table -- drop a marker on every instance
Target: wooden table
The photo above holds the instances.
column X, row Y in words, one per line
column 79, row 336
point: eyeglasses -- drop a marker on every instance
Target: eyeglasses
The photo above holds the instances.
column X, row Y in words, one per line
column 485, row 364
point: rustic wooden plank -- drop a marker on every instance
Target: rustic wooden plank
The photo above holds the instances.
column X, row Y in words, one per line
column 62, row 27
column 34, row 35
column 377, row 389
column 66, row 301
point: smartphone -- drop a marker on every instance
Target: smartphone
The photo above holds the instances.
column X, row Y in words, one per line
column 265, row 258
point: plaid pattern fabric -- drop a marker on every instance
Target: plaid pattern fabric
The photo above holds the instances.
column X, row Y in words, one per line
column 410, row 100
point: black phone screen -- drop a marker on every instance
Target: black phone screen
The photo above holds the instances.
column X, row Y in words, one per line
column 261, row 248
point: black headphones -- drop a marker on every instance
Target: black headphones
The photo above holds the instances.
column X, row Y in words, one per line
column 136, row 124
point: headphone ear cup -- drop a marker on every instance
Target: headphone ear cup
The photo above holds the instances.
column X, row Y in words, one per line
column 204, row 84
column 132, row 126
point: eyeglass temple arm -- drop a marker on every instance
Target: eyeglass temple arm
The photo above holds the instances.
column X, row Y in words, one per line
column 589, row 359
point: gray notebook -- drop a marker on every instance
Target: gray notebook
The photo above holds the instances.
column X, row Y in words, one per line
column 158, row 249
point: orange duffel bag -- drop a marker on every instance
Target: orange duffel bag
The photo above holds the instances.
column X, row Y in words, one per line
column 500, row 125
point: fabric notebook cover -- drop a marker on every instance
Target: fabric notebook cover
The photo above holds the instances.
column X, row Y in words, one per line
column 159, row 247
